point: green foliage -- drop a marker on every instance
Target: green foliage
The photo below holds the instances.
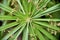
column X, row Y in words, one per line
column 28, row 19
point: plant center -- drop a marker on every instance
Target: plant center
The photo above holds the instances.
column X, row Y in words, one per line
column 28, row 19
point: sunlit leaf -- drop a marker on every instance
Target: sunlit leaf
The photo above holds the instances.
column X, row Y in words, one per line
column 4, row 17
column 47, row 19
column 8, row 26
column 25, row 33
column 47, row 25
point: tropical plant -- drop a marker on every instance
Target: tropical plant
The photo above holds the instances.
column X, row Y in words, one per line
column 28, row 20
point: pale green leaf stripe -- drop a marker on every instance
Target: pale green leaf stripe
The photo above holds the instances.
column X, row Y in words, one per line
column 50, row 36
column 15, row 36
column 25, row 33
column 47, row 19
column 47, row 25
column 6, row 8
column 11, row 32
column 7, row 17
column 39, row 35
column 48, row 11
column 19, row 2
column 8, row 26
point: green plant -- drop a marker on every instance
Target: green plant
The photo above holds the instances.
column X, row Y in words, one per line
column 28, row 20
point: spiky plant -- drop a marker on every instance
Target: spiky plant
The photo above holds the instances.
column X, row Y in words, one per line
column 29, row 21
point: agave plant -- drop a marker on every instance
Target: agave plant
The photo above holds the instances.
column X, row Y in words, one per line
column 28, row 20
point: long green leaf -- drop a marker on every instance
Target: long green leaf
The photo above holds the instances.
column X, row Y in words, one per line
column 47, row 19
column 47, row 25
column 25, row 33
column 19, row 2
column 43, row 4
column 12, row 32
column 32, row 33
column 39, row 35
column 6, row 8
column 50, row 36
column 4, row 17
column 1, row 34
column 17, row 33
column 30, row 7
column 25, row 4
column 8, row 26
column 33, row 9
column 49, row 10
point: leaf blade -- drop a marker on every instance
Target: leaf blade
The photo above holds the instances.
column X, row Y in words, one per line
column 47, row 25
column 45, row 32
column 8, row 26
column 25, row 33
column 47, row 19
column 42, row 5
column 39, row 35
column 4, row 17
column 17, row 33
column 19, row 2
column 6, row 8
column 12, row 32
column 49, row 10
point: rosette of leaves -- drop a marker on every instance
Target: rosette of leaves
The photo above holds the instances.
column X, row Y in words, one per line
column 28, row 20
